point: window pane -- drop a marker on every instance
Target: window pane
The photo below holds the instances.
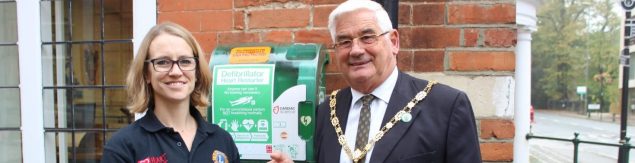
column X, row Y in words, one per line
column 89, row 146
column 117, row 60
column 84, row 60
column 9, row 107
column 54, row 105
column 11, row 146
column 60, row 114
column 86, row 146
column 74, row 20
column 9, row 65
column 118, row 19
column 117, row 115
column 9, row 26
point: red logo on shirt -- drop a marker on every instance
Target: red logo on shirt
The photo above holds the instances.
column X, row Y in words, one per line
column 157, row 159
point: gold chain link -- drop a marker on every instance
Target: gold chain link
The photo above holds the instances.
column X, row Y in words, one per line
column 361, row 153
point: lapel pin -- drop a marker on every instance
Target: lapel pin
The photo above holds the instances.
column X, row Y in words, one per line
column 406, row 117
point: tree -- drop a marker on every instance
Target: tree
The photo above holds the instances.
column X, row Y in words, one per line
column 576, row 39
column 604, row 47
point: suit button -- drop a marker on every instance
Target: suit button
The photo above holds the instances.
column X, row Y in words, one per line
column 178, row 144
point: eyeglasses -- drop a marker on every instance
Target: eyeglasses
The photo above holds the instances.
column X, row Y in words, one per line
column 367, row 40
column 165, row 65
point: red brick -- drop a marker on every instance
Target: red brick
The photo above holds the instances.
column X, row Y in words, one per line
column 255, row 3
column 428, row 61
column 334, row 81
column 189, row 20
column 404, row 60
column 428, row 14
column 317, row 2
column 500, row 37
column 497, row 128
column 470, row 37
column 321, row 15
column 209, row 4
column 405, row 34
column 278, row 36
column 497, row 151
column 404, row 14
column 482, row 14
column 231, row 38
column 429, row 37
column 170, row 5
column 239, row 20
column 313, row 36
column 245, row 3
column 279, row 18
column 207, row 41
column 482, row 61
column 285, row 1
column 216, row 20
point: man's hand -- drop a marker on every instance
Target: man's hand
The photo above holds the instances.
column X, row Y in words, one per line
column 279, row 157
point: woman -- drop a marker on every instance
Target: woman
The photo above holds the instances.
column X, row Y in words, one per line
column 169, row 80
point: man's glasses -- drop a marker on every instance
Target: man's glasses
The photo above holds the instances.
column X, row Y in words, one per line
column 165, row 65
column 367, row 40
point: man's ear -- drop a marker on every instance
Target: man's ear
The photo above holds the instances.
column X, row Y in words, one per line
column 394, row 41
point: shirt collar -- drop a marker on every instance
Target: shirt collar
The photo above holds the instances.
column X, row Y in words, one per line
column 384, row 91
column 151, row 123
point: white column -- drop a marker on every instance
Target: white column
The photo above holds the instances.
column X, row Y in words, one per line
column 523, row 95
column 526, row 19
column 145, row 17
column 30, row 59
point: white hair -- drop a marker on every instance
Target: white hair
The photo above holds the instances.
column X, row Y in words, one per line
column 383, row 20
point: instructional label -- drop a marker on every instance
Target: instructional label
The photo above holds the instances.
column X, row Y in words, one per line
column 242, row 101
column 243, row 105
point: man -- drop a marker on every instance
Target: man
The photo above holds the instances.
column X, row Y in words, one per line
column 372, row 120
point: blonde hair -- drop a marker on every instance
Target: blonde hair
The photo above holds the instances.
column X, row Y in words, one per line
column 383, row 20
column 140, row 93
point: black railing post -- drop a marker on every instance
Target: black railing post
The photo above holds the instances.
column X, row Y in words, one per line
column 626, row 147
column 576, row 143
column 624, row 61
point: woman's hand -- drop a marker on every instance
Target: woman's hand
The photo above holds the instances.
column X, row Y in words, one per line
column 279, row 157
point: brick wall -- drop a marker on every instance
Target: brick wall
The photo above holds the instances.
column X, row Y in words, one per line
column 456, row 42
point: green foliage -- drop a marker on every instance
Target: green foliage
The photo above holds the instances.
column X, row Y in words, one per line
column 576, row 41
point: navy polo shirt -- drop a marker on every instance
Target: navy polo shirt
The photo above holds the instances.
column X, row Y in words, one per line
column 148, row 141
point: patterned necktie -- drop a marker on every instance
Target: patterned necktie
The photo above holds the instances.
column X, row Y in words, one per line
column 364, row 124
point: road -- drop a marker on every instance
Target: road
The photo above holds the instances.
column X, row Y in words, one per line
column 555, row 124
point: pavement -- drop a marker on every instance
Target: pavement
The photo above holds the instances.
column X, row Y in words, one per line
column 603, row 117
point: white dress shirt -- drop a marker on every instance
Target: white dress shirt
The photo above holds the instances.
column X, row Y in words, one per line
column 377, row 110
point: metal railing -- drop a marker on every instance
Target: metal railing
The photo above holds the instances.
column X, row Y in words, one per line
column 625, row 146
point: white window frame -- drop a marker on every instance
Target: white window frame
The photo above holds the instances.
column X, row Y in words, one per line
column 30, row 67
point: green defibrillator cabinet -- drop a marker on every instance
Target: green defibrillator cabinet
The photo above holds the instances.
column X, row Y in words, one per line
column 265, row 96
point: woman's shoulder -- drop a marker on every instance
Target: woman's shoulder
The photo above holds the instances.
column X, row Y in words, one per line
column 125, row 134
column 216, row 130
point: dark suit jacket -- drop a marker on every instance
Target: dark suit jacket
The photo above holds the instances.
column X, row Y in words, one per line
column 442, row 128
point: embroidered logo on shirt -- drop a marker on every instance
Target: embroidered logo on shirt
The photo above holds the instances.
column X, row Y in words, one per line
column 156, row 159
column 219, row 157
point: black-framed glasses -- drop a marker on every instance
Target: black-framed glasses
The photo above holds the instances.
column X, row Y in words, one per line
column 367, row 40
column 165, row 65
